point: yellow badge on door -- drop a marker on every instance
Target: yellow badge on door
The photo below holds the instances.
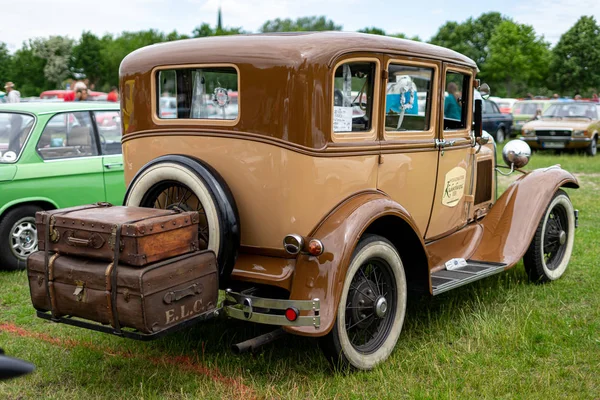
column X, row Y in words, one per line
column 454, row 186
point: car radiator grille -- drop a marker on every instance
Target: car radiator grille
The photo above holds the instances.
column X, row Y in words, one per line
column 553, row 133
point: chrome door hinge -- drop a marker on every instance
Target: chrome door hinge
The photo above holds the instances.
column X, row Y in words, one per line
column 443, row 143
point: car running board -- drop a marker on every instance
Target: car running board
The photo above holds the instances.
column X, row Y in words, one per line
column 444, row 280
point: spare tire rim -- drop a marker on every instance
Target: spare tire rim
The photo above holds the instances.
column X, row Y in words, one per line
column 371, row 306
column 23, row 238
column 555, row 237
column 172, row 195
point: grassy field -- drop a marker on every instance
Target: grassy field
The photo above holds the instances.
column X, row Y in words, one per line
column 498, row 338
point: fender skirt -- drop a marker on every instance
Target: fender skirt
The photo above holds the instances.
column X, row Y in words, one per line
column 509, row 227
column 323, row 277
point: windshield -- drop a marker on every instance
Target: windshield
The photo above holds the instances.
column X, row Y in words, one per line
column 14, row 130
column 572, row 110
column 526, row 108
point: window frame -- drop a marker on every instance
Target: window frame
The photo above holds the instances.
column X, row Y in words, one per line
column 191, row 121
column 371, row 134
column 469, row 77
column 97, row 131
column 29, row 138
column 432, row 104
column 93, row 131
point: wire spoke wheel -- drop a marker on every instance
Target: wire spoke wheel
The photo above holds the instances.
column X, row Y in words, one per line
column 371, row 306
column 555, row 237
column 173, row 195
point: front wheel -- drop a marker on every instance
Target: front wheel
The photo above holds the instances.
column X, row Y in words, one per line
column 19, row 236
column 371, row 309
column 548, row 254
column 592, row 149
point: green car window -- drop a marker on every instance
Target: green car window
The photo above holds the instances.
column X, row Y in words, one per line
column 14, row 131
column 68, row 135
column 109, row 131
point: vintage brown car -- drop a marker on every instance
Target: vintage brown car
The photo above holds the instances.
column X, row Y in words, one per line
column 333, row 175
column 568, row 125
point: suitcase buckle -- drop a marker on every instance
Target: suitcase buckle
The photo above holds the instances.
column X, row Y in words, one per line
column 54, row 234
column 78, row 293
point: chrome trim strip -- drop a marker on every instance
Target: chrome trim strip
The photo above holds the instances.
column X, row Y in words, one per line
column 270, row 319
column 565, row 139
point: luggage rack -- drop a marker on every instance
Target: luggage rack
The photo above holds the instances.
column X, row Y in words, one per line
column 130, row 334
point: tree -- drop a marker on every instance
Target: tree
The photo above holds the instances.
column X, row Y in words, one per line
column 5, row 63
column 56, row 50
column 517, row 57
column 471, row 37
column 378, row 31
column 205, row 30
column 576, row 58
column 301, row 24
column 87, row 57
column 27, row 71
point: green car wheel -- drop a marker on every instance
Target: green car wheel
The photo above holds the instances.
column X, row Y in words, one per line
column 19, row 237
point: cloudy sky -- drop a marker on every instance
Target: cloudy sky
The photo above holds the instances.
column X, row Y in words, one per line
column 25, row 19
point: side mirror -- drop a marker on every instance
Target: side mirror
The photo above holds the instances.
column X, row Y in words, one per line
column 516, row 154
column 485, row 91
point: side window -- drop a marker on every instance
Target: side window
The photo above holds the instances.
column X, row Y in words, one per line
column 198, row 93
column 495, row 108
column 456, row 101
column 353, row 97
column 68, row 135
column 408, row 98
column 109, row 131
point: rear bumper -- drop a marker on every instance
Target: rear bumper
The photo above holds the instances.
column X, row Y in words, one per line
column 271, row 311
column 565, row 142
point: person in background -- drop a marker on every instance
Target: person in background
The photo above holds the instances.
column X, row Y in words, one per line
column 451, row 107
column 595, row 98
column 577, row 97
column 81, row 95
column 12, row 95
column 555, row 96
column 113, row 95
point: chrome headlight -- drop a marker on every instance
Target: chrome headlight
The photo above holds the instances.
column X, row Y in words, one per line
column 528, row 132
column 579, row 133
column 517, row 153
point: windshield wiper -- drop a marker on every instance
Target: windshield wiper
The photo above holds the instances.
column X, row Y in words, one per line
column 551, row 116
column 579, row 116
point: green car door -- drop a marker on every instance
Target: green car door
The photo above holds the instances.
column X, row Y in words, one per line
column 108, row 125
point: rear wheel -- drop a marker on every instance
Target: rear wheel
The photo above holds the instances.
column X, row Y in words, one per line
column 371, row 309
column 550, row 250
column 500, row 135
column 171, row 182
column 18, row 233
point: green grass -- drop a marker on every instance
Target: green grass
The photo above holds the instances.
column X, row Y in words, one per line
column 497, row 338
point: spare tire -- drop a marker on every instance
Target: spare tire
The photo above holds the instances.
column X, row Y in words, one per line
column 184, row 182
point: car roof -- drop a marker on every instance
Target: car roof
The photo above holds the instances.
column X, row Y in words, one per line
column 59, row 106
column 293, row 49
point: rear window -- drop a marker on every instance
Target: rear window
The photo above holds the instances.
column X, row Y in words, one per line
column 198, row 93
column 14, row 131
column 526, row 108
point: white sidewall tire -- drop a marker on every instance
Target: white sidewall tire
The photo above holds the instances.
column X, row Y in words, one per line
column 563, row 200
column 383, row 250
column 168, row 171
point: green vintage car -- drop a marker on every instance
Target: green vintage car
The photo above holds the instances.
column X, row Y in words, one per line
column 524, row 111
column 54, row 155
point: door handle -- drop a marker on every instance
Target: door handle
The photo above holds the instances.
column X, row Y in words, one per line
column 109, row 166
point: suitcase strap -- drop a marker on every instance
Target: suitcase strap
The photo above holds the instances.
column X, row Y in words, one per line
column 113, row 280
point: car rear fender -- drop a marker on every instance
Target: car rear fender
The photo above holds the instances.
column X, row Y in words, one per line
column 323, row 277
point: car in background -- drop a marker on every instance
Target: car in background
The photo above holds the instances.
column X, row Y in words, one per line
column 498, row 125
column 566, row 125
column 68, row 95
column 54, row 155
column 526, row 110
column 504, row 104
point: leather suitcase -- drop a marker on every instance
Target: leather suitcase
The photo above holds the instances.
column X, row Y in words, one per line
column 149, row 299
column 146, row 235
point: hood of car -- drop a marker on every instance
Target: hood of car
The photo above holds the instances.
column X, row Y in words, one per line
column 571, row 123
column 7, row 172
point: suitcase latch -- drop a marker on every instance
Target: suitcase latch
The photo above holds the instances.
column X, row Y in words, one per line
column 78, row 293
column 54, row 234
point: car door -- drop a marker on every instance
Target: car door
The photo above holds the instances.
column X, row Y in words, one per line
column 490, row 118
column 410, row 114
column 72, row 170
column 108, row 127
column 453, row 192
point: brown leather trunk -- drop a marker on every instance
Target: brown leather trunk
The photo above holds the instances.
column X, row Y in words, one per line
column 149, row 299
column 146, row 235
